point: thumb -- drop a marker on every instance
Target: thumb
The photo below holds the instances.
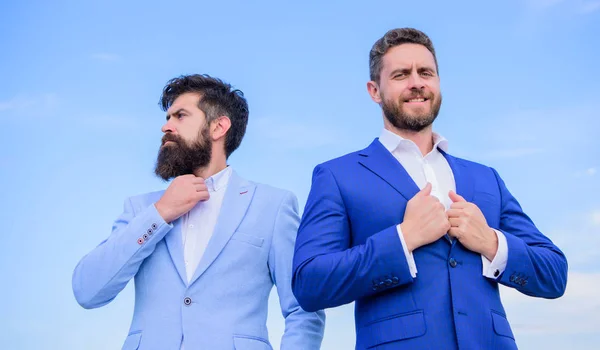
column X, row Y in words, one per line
column 455, row 197
column 426, row 191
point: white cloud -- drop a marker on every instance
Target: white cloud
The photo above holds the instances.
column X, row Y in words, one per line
column 295, row 135
column 577, row 312
column 532, row 319
column 579, row 239
column 514, row 153
column 106, row 57
column 19, row 103
column 589, row 7
column 539, row 16
column 589, row 172
column 595, row 217
column 579, row 6
column 339, row 326
column 543, row 4
column 111, row 121
column 532, row 132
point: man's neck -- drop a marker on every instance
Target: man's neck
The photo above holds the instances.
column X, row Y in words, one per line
column 211, row 169
column 423, row 139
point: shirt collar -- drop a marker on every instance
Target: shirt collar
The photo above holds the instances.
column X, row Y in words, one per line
column 219, row 180
column 392, row 141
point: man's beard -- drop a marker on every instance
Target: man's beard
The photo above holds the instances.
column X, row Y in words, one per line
column 181, row 158
column 393, row 112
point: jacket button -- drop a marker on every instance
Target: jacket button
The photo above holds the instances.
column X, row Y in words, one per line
column 395, row 280
column 140, row 240
column 388, row 282
column 145, row 236
column 187, row 301
column 453, row 262
column 149, row 231
column 154, row 226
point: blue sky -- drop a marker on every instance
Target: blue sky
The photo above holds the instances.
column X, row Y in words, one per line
column 78, row 103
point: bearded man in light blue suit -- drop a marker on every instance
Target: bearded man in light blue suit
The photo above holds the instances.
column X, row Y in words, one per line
column 206, row 252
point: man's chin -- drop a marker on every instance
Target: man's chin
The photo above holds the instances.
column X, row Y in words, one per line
column 417, row 111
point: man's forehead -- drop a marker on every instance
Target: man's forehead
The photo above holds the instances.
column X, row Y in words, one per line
column 408, row 55
column 185, row 101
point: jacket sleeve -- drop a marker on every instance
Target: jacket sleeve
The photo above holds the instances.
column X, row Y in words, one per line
column 535, row 266
column 106, row 270
column 328, row 271
column 303, row 330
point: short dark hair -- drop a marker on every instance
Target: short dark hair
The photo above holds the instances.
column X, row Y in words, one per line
column 392, row 38
column 217, row 98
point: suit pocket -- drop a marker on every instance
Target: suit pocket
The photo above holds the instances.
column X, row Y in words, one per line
column 501, row 325
column 394, row 328
column 242, row 237
column 244, row 342
column 133, row 341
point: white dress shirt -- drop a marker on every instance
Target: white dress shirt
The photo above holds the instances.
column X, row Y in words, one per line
column 199, row 223
column 434, row 168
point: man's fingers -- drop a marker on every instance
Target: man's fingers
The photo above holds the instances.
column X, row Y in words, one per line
column 197, row 180
column 455, row 197
column 459, row 205
column 455, row 222
column 454, row 232
column 454, row 213
column 201, row 187
column 426, row 191
column 202, row 195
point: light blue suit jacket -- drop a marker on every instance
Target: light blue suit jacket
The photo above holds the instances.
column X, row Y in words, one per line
column 225, row 304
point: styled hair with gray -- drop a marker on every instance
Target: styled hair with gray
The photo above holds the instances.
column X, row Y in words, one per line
column 392, row 38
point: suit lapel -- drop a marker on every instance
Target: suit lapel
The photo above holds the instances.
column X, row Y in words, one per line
column 175, row 246
column 462, row 178
column 383, row 164
column 236, row 201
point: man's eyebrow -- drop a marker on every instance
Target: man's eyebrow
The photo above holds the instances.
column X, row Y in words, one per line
column 399, row 70
column 176, row 112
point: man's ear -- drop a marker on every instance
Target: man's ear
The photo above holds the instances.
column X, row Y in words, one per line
column 373, row 89
column 219, row 127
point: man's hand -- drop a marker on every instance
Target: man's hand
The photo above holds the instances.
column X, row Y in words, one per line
column 425, row 220
column 470, row 227
column 181, row 196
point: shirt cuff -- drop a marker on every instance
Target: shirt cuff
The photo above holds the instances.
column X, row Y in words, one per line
column 493, row 269
column 409, row 256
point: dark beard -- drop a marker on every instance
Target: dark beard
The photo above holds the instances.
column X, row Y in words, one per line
column 181, row 158
column 404, row 121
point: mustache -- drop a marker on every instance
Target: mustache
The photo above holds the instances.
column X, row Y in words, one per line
column 170, row 137
column 417, row 93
